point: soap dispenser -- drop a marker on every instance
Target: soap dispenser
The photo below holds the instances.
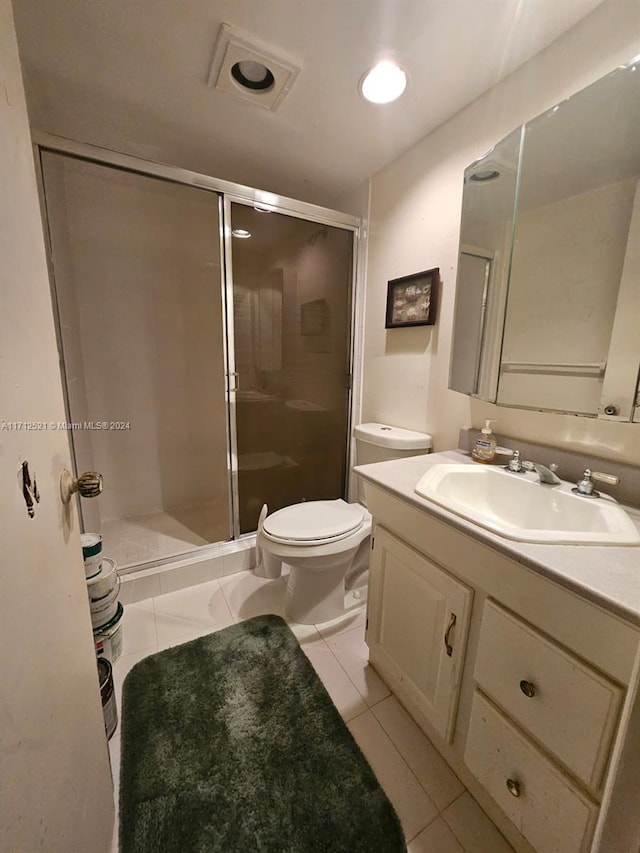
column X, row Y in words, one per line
column 484, row 448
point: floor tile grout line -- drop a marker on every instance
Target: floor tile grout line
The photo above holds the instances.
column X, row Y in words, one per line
column 320, row 641
column 420, row 831
column 495, row 826
column 356, row 716
column 350, row 631
column 155, row 623
column 388, row 734
column 372, row 706
column 451, row 829
column 380, row 701
column 215, row 626
column 420, row 785
column 362, row 696
column 150, row 649
column 227, row 602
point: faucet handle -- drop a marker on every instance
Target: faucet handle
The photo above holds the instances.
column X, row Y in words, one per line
column 553, row 466
column 609, row 479
column 585, row 488
column 515, row 464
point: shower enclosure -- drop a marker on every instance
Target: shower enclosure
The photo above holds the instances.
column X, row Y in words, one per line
column 205, row 340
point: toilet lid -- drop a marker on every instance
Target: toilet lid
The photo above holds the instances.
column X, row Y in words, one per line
column 314, row 521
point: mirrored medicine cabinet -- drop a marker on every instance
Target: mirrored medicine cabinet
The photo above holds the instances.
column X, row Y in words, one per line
column 547, row 310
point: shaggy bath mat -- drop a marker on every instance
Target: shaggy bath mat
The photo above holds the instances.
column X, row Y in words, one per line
column 231, row 744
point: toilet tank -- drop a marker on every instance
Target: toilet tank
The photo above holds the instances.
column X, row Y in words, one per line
column 380, row 443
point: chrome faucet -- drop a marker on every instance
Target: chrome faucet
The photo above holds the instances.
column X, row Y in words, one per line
column 546, row 475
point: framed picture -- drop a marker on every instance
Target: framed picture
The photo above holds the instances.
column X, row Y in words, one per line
column 411, row 300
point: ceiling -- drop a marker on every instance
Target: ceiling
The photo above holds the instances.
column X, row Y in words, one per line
column 132, row 75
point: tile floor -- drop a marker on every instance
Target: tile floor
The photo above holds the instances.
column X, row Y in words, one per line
column 437, row 813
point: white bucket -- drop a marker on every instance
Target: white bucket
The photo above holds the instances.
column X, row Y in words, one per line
column 104, row 581
column 108, row 638
column 104, row 609
column 91, row 552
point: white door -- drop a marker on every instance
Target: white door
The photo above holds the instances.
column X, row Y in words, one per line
column 55, row 783
column 418, row 625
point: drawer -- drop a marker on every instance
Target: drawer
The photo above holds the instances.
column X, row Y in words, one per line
column 568, row 707
column 551, row 813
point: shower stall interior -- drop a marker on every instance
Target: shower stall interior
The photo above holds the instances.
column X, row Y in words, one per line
column 205, row 348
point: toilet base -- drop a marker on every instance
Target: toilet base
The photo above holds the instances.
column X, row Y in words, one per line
column 313, row 597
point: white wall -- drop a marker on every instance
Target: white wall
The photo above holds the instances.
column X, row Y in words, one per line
column 415, row 222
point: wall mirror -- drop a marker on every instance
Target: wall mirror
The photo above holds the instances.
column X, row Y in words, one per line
column 548, row 293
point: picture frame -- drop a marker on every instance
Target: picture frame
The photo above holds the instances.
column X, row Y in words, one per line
column 411, row 300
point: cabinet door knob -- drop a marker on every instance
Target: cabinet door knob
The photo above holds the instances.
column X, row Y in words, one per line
column 528, row 688
column 513, row 787
column 447, row 634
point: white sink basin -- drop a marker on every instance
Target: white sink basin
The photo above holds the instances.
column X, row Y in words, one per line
column 519, row 507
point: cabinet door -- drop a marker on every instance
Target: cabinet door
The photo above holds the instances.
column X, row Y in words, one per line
column 418, row 624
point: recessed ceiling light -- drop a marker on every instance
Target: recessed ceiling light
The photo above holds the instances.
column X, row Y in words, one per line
column 242, row 233
column 383, row 83
column 252, row 69
column 252, row 75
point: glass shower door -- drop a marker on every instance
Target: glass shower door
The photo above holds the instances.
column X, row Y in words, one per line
column 137, row 267
column 292, row 282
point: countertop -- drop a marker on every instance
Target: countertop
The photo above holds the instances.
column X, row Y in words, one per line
column 607, row 575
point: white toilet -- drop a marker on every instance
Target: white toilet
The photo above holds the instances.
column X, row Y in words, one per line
column 326, row 543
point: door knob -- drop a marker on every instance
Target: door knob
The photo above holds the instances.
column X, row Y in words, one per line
column 88, row 485
column 514, row 787
column 528, row 689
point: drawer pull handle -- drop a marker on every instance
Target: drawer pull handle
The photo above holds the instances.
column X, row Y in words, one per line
column 528, row 688
column 514, row 787
column 447, row 634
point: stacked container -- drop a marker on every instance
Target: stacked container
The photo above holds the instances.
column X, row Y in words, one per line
column 108, row 697
column 103, row 586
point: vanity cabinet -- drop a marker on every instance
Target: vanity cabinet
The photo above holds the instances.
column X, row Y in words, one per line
column 529, row 706
column 418, row 623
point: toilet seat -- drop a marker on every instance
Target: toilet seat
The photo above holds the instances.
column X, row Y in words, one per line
column 313, row 523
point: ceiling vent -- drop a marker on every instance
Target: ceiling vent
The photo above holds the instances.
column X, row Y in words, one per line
column 250, row 69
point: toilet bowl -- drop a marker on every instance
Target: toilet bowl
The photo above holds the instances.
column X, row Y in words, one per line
column 326, row 543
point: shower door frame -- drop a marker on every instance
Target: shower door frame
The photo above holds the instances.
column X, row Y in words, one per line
column 227, row 200
column 228, row 193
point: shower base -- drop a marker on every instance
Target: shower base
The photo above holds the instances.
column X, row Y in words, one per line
column 145, row 538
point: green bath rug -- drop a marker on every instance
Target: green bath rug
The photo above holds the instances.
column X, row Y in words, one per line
column 231, row 744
